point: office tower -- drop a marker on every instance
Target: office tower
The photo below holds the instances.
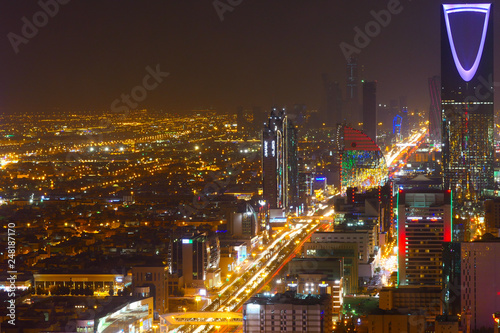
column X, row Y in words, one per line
column 435, row 110
column 352, row 79
column 280, row 162
column 452, row 278
column 370, row 109
column 242, row 221
column 393, row 108
column 288, row 312
column 291, row 166
column 195, row 257
column 333, row 114
column 351, row 113
column 424, row 223
column 467, row 99
column 472, row 281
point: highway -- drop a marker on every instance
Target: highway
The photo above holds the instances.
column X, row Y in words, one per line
column 269, row 262
column 398, row 155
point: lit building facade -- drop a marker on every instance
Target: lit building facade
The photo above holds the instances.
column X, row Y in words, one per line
column 475, row 294
column 155, row 277
column 467, row 99
column 288, row 312
column 318, row 276
column 362, row 163
column 196, row 258
column 280, row 162
column 415, row 299
column 424, row 223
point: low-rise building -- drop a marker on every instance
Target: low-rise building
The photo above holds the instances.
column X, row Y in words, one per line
column 288, row 312
column 423, row 299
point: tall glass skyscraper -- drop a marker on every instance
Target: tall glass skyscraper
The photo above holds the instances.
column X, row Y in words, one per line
column 467, row 98
column 280, row 162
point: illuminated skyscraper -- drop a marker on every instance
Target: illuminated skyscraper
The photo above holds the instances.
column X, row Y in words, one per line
column 424, row 223
column 467, row 98
column 280, row 161
column 471, row 280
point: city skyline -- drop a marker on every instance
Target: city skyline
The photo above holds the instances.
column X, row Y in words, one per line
column 249, row 167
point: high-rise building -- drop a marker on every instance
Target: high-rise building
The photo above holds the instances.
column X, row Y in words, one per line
column 243, row 221
column 435, row 110
column 333, row 114
column 467, row 99
column 472, row 281
column 370, row 109
column 280, row 162
column 424, row 223
column 352, row 79
column 195, row 258
column 351, row 114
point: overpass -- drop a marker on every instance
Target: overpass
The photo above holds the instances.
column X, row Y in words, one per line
column 202, row 318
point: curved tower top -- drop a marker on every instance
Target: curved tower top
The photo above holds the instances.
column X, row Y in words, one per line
column 467, row 45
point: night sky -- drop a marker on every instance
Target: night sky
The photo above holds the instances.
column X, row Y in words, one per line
column 263, row 52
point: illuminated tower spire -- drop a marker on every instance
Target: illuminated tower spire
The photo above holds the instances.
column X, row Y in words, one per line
column 467, row 99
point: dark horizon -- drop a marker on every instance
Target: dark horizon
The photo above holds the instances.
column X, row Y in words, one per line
column 261, row 54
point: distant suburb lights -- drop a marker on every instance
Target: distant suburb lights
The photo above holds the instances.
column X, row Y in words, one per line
column 467, row 74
